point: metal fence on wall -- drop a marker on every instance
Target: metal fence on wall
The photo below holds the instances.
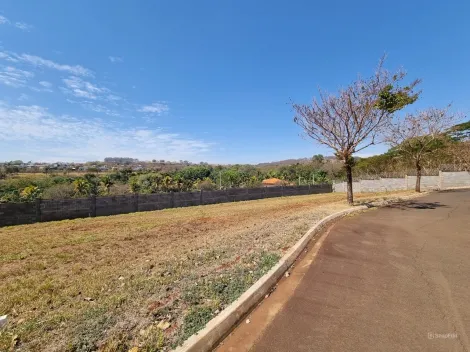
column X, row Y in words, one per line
column 60, row 209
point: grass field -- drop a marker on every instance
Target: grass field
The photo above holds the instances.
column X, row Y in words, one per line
column 146, row 280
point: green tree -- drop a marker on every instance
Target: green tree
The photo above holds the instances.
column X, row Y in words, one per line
column 134, row 184
column 81, row 187
column 460, row 132
column 167, row 184
column 318, row 158
column 107, row 183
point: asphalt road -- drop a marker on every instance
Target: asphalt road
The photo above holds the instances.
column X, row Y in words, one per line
column 390, row 279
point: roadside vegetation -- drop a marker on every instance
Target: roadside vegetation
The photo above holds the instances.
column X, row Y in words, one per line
column 146, row 280
column 24, row 188
column 428, row 149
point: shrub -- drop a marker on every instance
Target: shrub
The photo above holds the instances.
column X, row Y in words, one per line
column 30, row 193
column 81, row 187
column 119, row 189
column 59, row 191
column 10, row 197
column 206, row 185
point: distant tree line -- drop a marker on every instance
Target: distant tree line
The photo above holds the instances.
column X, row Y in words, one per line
column 121, row 160
column 422, row 154
column 189, row 178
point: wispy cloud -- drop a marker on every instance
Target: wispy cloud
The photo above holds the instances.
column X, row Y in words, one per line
column 82, row 89
column 113, row 98
column 13, row 77
column 46, row 84
column 20, row 25
column 38, row 61
column 23, row 97
column 5, row 56
column 115, row 59
column 54, row 137
column 158, row 108
column 23, row 26
column 95, row 107
column 92, row 97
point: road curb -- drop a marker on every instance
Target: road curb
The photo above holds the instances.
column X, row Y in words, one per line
column 221, row 325
column 217, row 328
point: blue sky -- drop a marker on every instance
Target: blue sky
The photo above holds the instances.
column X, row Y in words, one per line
column 206, row 80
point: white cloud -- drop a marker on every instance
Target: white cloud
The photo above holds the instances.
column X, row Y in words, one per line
column 155, row 108
column 44, row 63
column 7, row 57
column 115, row 59
column 113, row 98
column 23, row 26
column 51, row 137
column 20, row 25
column 23, row 97
column 13, row 77
column 45, row 84
column 95, row 107
column 40, row 62
column 82, row 89
column 91, row 96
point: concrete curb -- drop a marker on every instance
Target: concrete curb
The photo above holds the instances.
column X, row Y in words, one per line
column 217, row 328
column 220, row 326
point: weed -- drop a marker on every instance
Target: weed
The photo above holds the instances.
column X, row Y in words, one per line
column 116, row 343
column 154, row 340
column 195, row 320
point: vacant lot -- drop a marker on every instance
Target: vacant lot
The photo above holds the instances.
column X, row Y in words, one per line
column 145, row 279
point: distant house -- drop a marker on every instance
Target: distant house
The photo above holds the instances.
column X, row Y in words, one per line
column 270, row 182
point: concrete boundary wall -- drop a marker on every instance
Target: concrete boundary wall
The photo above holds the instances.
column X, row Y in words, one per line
column 60, row 209
column 443, row 181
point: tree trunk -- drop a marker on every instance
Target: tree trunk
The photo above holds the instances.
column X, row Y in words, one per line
column 418, row 178
column 349, row 182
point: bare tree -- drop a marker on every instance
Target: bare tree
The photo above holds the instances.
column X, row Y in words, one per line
column 350, row 121
column 418, row 136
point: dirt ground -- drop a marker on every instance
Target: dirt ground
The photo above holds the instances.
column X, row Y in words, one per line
column 147, row 280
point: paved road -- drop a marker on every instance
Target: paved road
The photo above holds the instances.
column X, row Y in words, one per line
column 391, row 279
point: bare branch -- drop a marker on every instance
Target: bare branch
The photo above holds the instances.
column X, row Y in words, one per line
column 351, row 120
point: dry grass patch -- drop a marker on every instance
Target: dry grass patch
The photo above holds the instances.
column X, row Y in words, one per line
column 146, row 279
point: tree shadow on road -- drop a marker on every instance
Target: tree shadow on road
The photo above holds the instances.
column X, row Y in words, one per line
column 458, row 190
column 415, row 205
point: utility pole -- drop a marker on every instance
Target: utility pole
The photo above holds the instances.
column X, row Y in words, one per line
column 299, row 180
column 220, row 179
column 313, row 179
